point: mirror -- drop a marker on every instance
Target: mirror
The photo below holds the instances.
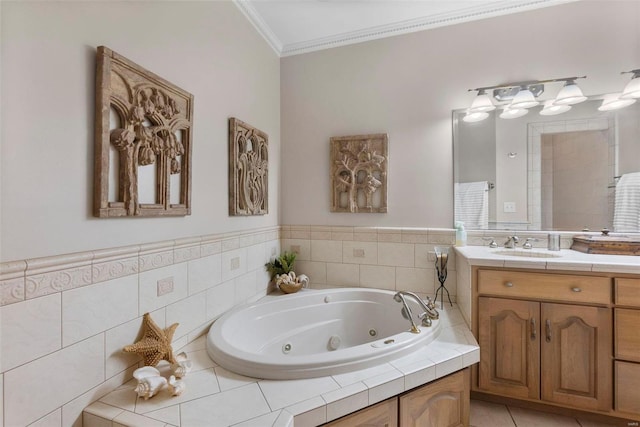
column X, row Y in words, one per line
column 548, row 172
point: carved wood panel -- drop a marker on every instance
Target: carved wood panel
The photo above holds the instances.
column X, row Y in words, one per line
column 154, row 128
column 248, row 169
column 359, row 173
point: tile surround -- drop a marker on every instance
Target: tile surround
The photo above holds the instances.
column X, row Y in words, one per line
column 252, row 402
column 200, row 271
column 75, row 312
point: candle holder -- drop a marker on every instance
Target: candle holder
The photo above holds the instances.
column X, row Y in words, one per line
column 442, row 256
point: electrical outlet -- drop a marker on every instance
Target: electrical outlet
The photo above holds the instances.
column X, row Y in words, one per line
column 509, row 207
column 358, row 253
column 235, row 263
column 165, row 286
column 295, row 249
column 273, row 252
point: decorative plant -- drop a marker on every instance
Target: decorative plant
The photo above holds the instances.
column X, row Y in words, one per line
column 281, row 265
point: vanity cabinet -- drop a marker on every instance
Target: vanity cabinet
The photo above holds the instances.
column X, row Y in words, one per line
column 383, row 414
column 535, row 346
column 627, row 345
column 444, row 402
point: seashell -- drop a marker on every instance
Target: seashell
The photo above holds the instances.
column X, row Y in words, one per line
column 183, row 365
column 149, row 386
column 176, row 387
column 304, row 279
column 144, row 372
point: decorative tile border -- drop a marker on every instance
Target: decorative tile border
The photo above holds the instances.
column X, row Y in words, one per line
column 32, row 278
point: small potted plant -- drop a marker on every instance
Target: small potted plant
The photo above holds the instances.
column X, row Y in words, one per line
column 281, row 270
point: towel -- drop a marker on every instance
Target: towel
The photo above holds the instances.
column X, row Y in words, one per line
column 472, row 204
column 626, row 212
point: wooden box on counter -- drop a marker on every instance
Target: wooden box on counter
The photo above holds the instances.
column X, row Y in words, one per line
column 609, row 245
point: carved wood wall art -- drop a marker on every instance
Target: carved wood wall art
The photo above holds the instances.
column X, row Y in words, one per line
column 359, row 173
column 248, row 169
column 155, row 128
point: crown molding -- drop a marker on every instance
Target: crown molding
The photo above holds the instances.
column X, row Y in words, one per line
column 258, row 23
column 503, row 7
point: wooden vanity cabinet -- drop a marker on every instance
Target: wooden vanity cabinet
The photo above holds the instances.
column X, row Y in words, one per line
column 442, row 403
column 627, row 346
column 547, row 351
column 383, row 414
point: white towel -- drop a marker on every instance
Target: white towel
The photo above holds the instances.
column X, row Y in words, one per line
column 472, row 204
column 626, row 213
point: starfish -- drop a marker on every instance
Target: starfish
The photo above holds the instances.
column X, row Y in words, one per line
column 155, row 344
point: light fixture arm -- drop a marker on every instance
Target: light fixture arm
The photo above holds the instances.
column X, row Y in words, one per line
column 533, row 82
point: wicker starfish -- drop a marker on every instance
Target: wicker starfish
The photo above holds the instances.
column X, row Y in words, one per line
column 155, row 344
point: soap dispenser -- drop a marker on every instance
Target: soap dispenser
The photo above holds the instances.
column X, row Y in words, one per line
column 461, row 234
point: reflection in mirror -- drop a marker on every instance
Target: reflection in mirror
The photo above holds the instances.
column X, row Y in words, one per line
column 574, row 171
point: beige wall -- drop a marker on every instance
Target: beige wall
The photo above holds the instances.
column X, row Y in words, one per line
column 408, row 85
column 48, row 57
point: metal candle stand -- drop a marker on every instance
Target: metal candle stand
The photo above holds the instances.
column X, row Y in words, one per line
column 442, row 256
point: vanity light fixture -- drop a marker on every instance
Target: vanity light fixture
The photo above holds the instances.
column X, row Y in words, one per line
column 632, row 89
column 570, row 94
column 550, row 109
column 523, row 95
column 614, row 101
column 523, row 99
column 472, row 117
column 482, row 103
column 513, row 113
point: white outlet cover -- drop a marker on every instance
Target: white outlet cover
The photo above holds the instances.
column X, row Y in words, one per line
column 165, row 286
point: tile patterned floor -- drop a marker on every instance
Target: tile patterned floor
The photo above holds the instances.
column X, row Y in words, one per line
column 485, row 414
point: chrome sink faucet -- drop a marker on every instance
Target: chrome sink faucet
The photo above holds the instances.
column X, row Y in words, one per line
column 429, row 308
column 512, row 242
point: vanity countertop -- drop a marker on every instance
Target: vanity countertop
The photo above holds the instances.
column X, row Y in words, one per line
column 215, row 397
column 536, row 258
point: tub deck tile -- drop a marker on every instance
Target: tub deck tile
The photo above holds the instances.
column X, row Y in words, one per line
column 216, row 397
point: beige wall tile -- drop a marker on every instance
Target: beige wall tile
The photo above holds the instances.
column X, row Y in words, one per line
column 302, row 247
column 362, row 236
column 190, row 313
column 210, row 247
column 360, row 253
column 317, row 271
column 234, row 263
column 424, row 256
column 245, row 287
column 373, row 276
column 54, row 419
column 272, row 249
column 396, row 254
column 156, row 256
column 93, row 309
column 45, row 384
column 326, row 251
column 220, row 298
column 149, row 299
column 415, row 280
column 203, row 273
column 230, row 244
column 56, row 281
column 109, row 270
column 256, row 256
column 343, row 274
column 30, row 329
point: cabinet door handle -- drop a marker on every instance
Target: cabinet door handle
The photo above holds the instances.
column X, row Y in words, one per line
column 533, row 329
column 508, row 284
column 576, row 289
column 548, row 327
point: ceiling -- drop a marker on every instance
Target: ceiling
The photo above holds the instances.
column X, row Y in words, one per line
column 292, row 27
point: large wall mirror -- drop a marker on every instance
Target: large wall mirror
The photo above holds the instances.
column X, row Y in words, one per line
column 547, row 172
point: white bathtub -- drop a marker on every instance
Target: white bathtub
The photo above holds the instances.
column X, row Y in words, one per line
column 315, row 333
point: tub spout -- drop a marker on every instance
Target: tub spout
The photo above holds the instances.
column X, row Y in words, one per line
column 399, row 297
column 429, row 308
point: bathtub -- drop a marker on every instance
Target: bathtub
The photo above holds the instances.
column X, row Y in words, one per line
column 315, row 333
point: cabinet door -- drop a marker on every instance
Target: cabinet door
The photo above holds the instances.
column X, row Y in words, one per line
column 508, row 333
column 576, row 356
column 383, row 414
column 443, row 403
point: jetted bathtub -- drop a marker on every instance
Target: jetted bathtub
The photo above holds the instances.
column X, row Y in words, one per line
column 315, row 333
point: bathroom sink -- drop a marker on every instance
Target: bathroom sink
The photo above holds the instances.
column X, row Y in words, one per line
column 527, row 253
